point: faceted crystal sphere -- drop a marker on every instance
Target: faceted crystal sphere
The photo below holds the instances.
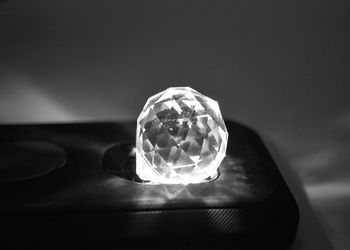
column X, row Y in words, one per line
column 181, row 137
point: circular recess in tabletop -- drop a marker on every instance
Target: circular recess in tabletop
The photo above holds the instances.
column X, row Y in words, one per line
column 23, row 160
column 119, row 160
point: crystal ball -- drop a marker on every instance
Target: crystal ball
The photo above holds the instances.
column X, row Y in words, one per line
column 181, row 137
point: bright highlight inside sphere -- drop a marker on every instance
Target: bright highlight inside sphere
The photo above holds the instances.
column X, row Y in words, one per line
column 181, row 137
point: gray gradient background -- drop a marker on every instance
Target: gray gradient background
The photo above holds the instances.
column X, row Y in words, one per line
column 280, row 67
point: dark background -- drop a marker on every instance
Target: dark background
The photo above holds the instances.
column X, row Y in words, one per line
column 279, row 67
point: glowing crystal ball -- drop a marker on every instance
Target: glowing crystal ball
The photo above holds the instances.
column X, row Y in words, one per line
column 181, row 137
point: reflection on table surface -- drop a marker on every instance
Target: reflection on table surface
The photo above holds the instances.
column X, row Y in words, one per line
column 281, row 68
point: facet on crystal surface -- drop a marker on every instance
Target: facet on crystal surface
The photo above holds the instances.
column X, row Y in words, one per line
column 181, row 137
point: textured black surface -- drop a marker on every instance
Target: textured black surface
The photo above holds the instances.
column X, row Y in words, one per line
column 24, row 160
column 248, row 205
